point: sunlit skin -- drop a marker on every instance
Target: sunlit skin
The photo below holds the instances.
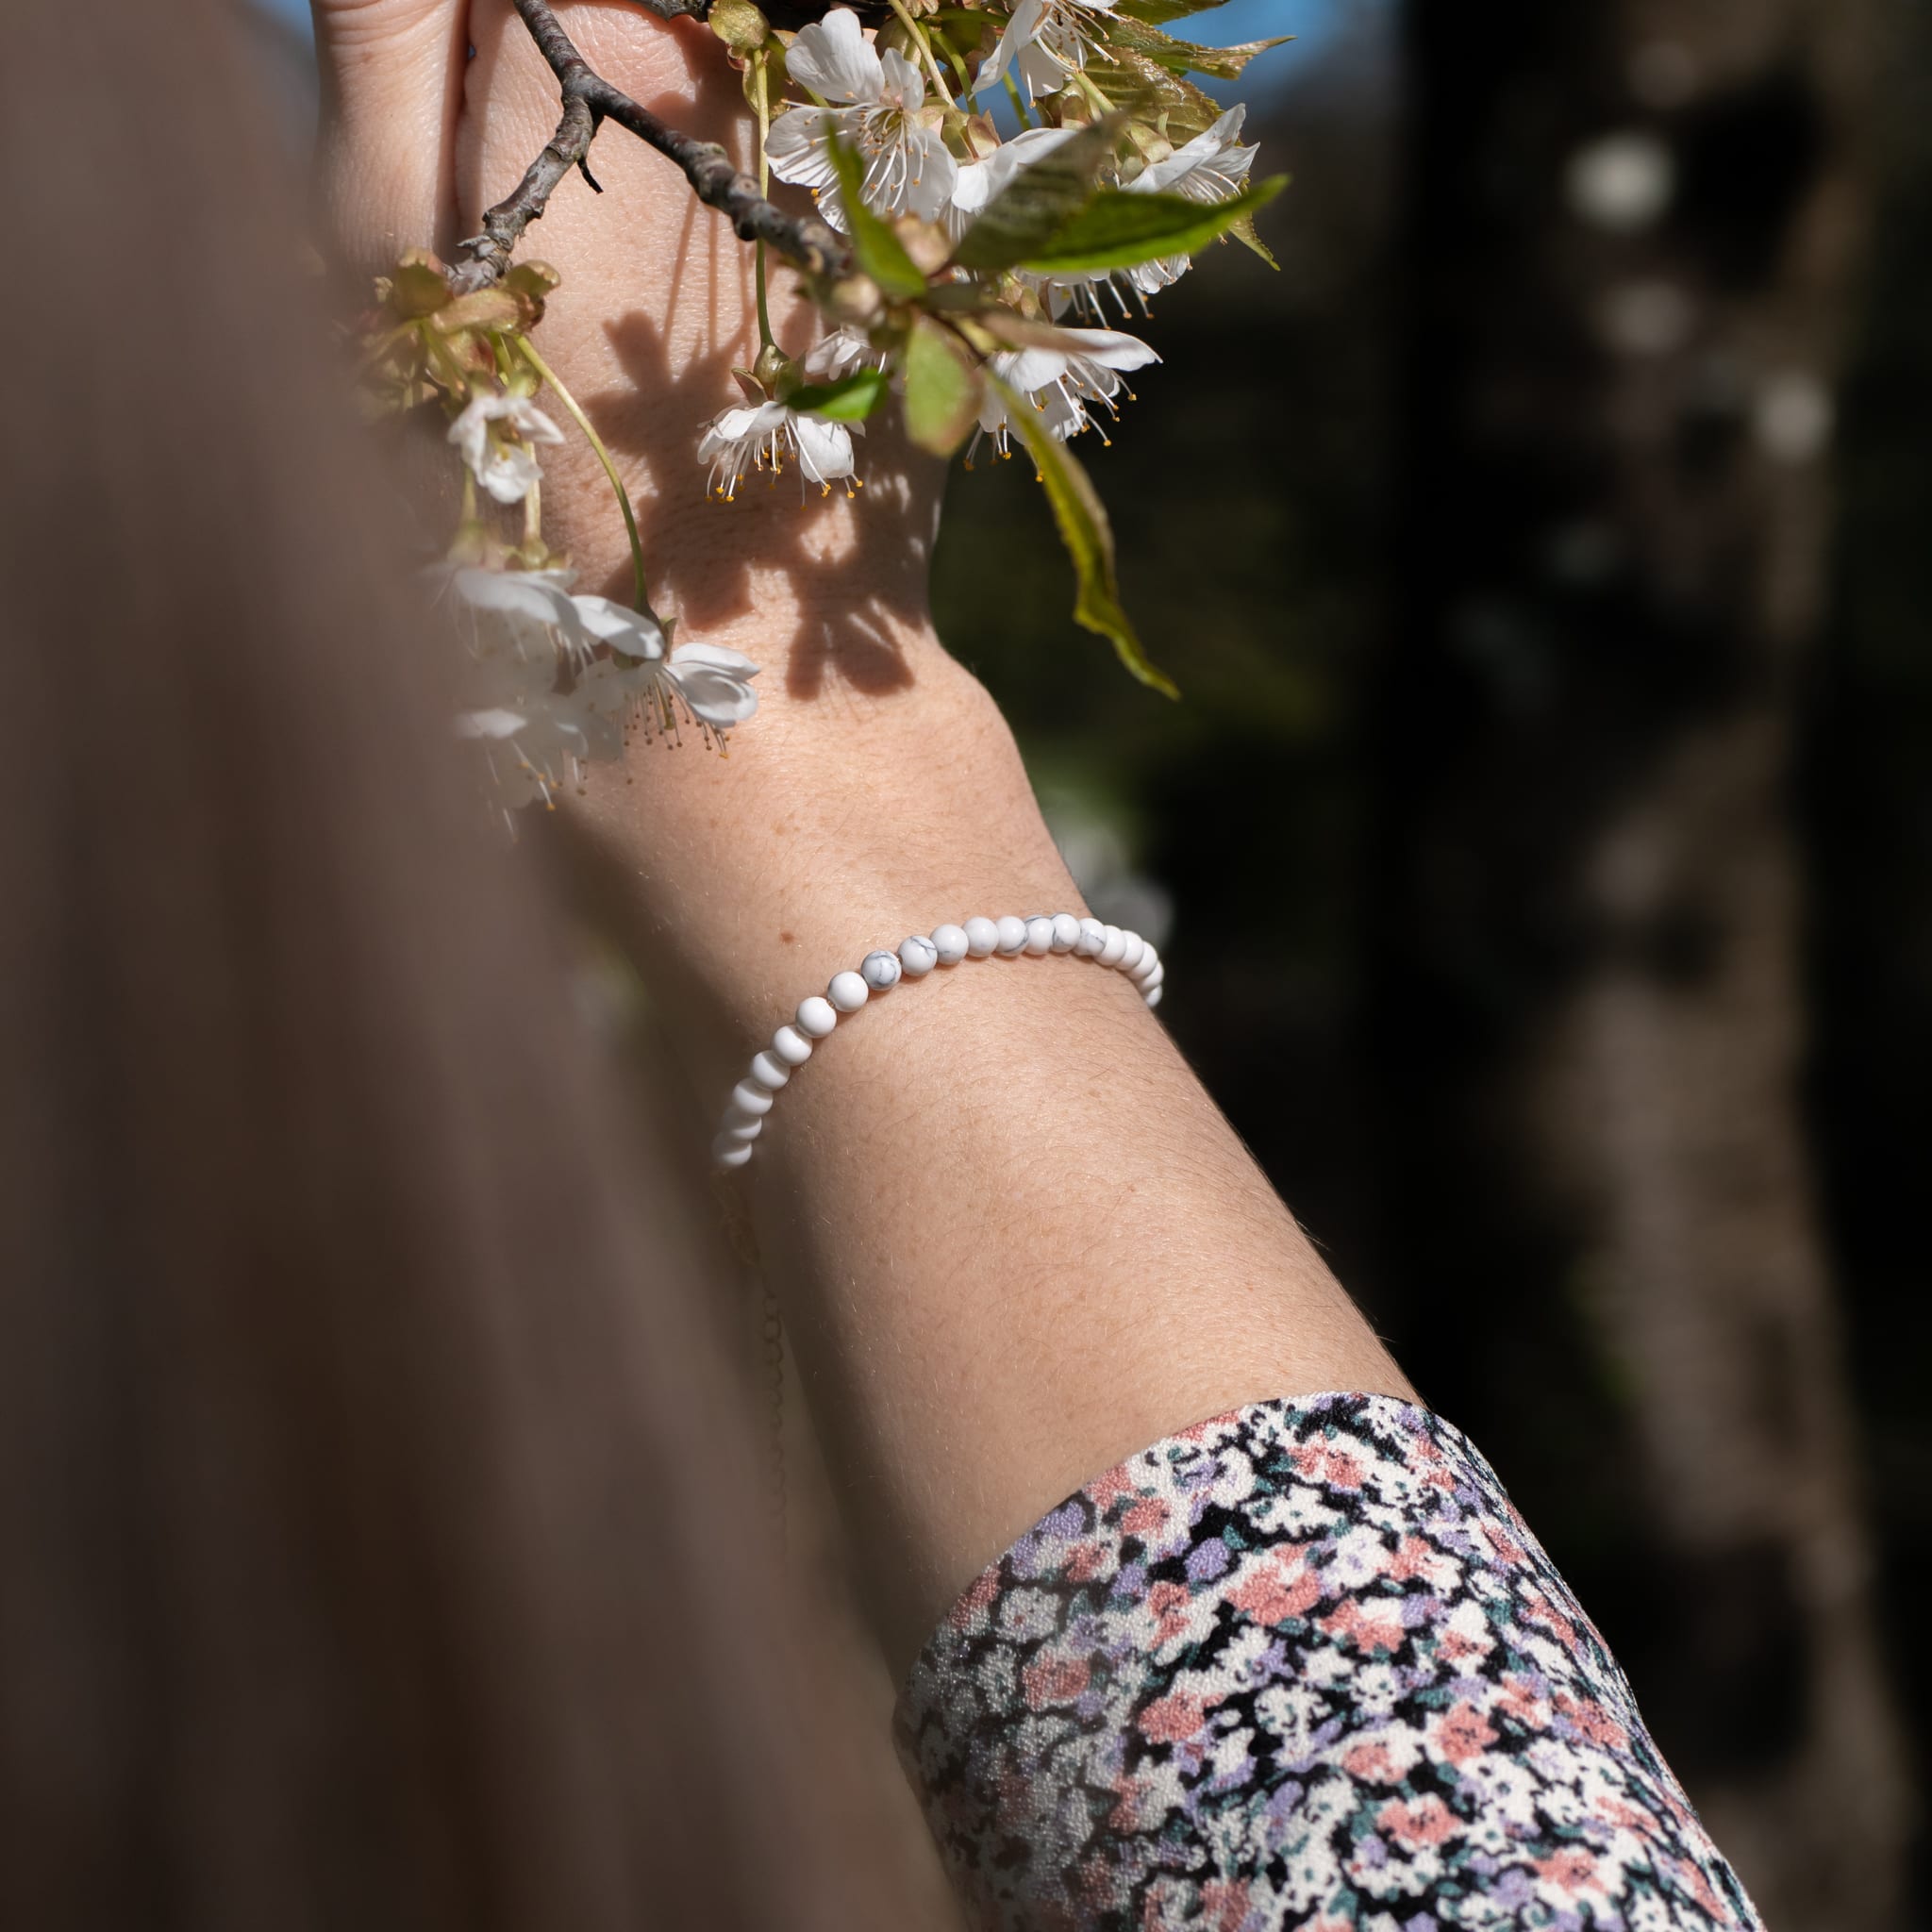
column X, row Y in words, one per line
column 1013, row 1238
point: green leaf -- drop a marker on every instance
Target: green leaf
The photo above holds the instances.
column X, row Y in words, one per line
column 1243, row 232
column 1120, row 229
column 851, row 399
column 1036, row 200
column 1133, row 83
column 1187, row 57
column 877, row 249
column 1087, row 534
column 944, row 387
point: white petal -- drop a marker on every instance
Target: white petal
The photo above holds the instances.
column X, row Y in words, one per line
column 733, row 425
column 471, row 430
column 825, row 449
column 1201, row 168
column 508, row 475
column 935, row 173
column 715, row 658
column 542, row 596
column 632, row 632
column 718, row 696
column 800, row 145
column 902, row 84
column 531, row 422
column 834, row 59
column 1018, row 34
column 836, row 354
column 491, row 724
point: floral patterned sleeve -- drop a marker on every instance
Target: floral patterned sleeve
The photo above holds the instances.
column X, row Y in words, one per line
column 1299, row 1666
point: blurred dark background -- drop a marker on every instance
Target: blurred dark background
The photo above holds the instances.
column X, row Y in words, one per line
column 1546, row 826
column 1543, row 842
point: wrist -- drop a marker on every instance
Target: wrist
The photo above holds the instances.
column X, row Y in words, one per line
column 837, row 823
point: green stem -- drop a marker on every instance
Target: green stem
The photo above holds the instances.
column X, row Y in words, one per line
column 1019, row 105
column 548, row 375
column 960, row 68
column 924, row 47
column 763, row 105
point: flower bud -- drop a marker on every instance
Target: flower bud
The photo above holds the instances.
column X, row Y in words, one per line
column 856, row 301
column 739, row 25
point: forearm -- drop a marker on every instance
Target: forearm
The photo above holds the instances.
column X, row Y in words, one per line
column 1013, row 1237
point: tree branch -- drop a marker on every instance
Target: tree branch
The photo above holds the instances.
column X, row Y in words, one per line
column 588, row 100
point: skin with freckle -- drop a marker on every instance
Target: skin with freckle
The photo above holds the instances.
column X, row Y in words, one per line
column 1013, row 1238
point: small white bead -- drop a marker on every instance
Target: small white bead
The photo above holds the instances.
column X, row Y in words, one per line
column 848, row 992
column 1092, row 938
column 1039, row 936
column 816, row 1017
column 1153, row 997
column 1131, row 953
column 951, row 943
column 740, row 1126
column 1148, row 981
column 1013, row 934
column 792, row 1046
column 768, row 1070
column 730, row 1152
column 1144, row 965
column 749, row 1098
column 1110, row 954
column 918, row 955
column 1066, row 932
column 880, row 971
column 982, row 936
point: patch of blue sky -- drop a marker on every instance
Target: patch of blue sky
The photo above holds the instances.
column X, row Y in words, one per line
column 1316, row 24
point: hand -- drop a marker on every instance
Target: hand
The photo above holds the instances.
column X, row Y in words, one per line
column 876, row 791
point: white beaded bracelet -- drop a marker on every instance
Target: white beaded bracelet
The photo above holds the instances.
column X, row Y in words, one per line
column 978, row 939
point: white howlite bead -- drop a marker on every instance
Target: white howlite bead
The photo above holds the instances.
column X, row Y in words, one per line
column 738, row 1127
column 951, row 943
column 792, row 1046
column 880, row 971
column 982, row 936
column 730, row 1152
column 1148, row 981
column 1066, row 932
column 1013, row 933
column 1144, row 965
column 848, row 992
column 768, row 1070
column 1039, row 936
column 1092, row 939
column 749, row 1098
column 1110, row 954
column 1131, row 953
column 816, row 1017
column 1153, row 997
column 918, row 955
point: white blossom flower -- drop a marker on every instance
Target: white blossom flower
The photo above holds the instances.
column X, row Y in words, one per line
column 508, row 470
column 976, row 183
column 1045, row 41
column 761, row 437
column 522, row 631
column 709, row 683
column 628, row 633
column 1062, row 379
column 554, row 682
column 878, row 115
column 836, row 356
column 1213, row 167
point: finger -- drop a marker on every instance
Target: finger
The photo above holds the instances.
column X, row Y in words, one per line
column 391, row 76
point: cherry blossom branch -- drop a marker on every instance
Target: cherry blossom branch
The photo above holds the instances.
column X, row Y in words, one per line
column 589, row 101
